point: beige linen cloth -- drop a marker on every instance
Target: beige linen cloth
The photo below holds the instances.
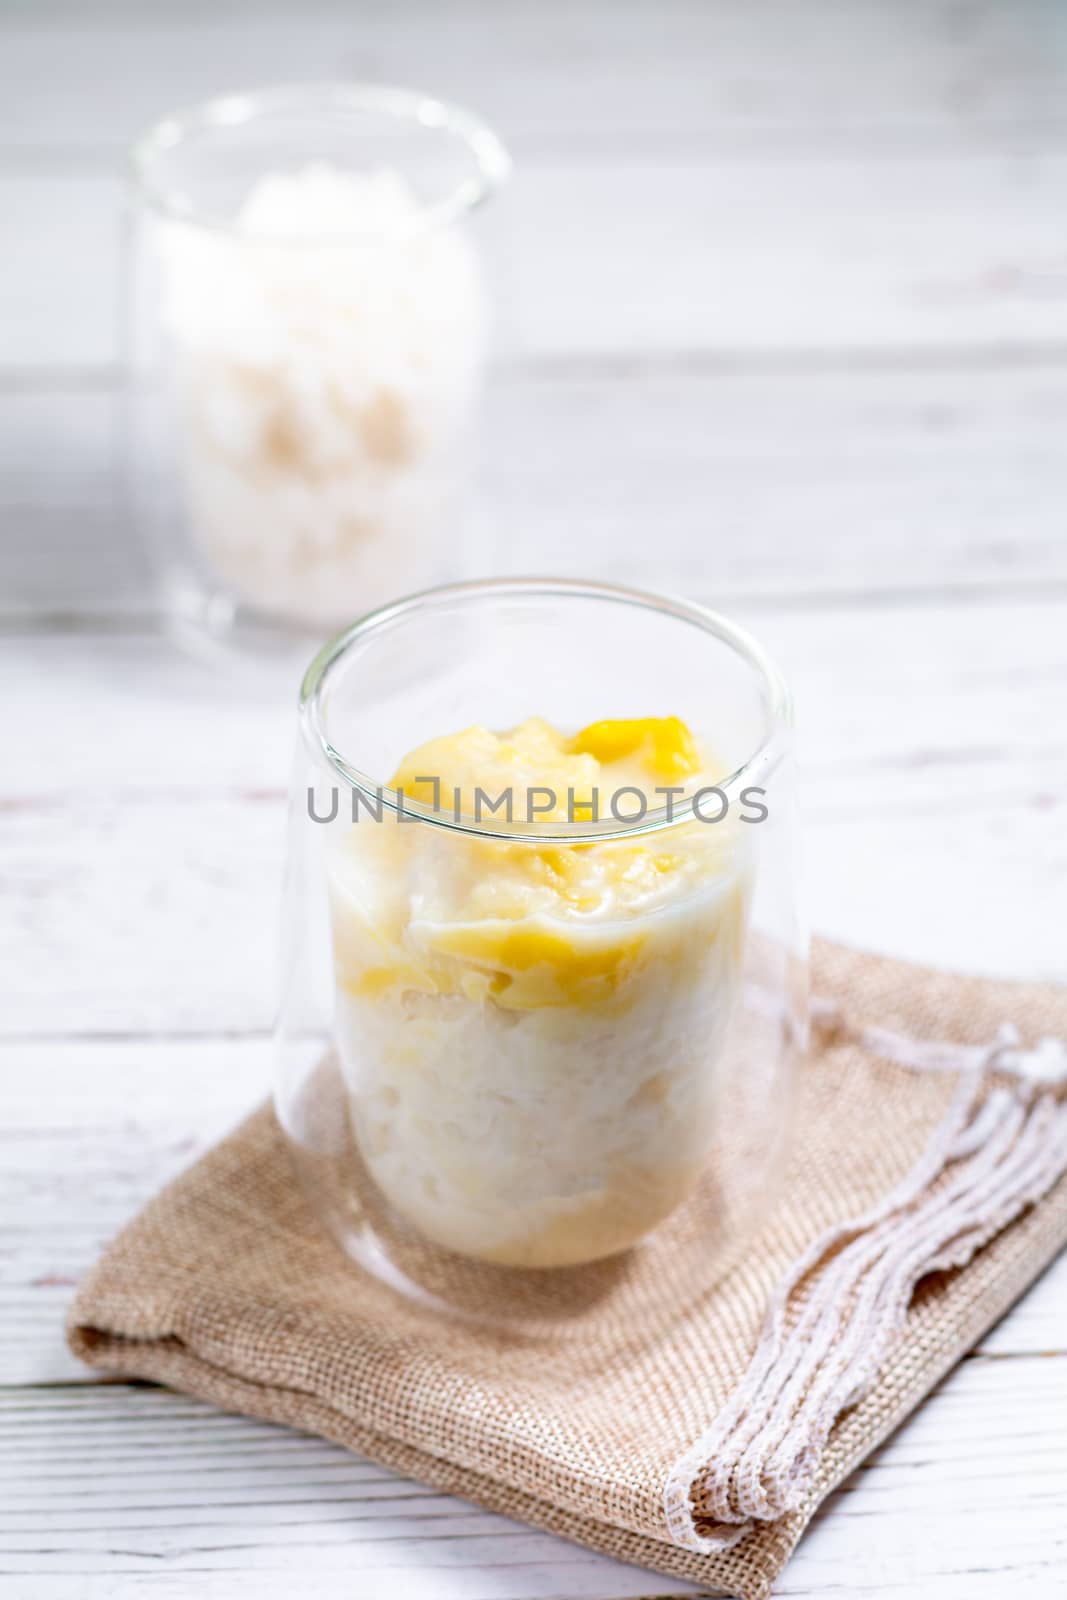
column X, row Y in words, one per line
column 692, row 1435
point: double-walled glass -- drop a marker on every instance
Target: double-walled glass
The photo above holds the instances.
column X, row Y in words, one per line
column 308, row 326
column 523, row 1046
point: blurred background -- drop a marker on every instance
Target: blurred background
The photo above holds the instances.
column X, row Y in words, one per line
column 782, row 289
column 782, row 325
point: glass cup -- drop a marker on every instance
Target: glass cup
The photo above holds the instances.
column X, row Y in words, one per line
column 307, row 333
column 541, row 1016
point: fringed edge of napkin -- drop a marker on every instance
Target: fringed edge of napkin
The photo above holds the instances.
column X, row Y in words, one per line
column 836, row 1314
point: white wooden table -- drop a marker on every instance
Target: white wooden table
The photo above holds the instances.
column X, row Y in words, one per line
column 788, row 332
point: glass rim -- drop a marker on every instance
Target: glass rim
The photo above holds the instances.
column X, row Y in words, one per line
column 760, row 762
column 241, row 107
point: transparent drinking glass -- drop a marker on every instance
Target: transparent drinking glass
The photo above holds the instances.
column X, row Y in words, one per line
column 307, row 328
column 529, row 1052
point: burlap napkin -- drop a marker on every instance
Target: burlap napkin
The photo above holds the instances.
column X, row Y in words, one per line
column 224, row 1287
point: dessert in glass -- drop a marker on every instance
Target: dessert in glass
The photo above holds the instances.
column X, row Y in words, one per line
column 308, row 334
column 544, row 972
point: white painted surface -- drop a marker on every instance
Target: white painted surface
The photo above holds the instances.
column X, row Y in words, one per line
column 788, row 331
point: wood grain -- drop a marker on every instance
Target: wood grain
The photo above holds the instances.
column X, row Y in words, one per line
column 920, row 255
column 793, row 486
column 138, row 1462
column 562, row 75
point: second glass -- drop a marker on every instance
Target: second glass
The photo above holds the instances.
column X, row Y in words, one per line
column 308, row 331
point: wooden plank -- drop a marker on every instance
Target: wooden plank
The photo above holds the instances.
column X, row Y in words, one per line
column 117, row 1484
column 804, row 484
column 924, row 254
column 218, row 1498
column 157, row 917
column 551, row 75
